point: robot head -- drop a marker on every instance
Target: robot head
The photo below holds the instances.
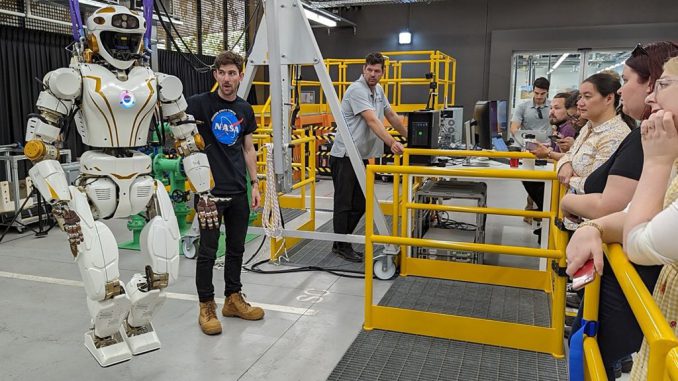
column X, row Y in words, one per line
column 116, row 34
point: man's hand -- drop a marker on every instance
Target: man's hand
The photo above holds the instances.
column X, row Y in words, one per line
column 70, row 223
column 564, row 144
column 256, row 196
column 565, row 173
column 542, row 151
column 585, row 243
column 207, row 213
column 397, row 148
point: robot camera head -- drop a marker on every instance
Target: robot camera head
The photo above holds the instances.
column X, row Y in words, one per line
column 116, row 34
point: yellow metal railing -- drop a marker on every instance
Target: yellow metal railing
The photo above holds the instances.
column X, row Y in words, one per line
column 513, row 335
column 442, row 67
column 672, row 365
column 662, row 342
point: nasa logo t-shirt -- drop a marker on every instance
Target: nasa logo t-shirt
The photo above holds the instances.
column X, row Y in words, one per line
column 223, row 125
column 226, row 126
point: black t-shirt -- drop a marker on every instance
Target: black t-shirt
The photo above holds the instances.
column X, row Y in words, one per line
column 224, row 126
column 626, row 161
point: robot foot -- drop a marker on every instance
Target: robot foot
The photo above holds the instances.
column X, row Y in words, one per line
column 107, row 351
column 140, row 339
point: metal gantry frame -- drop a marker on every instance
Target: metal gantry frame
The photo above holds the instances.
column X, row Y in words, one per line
column 284, row 39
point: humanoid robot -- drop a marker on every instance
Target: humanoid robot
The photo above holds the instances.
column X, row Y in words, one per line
column 112, row 95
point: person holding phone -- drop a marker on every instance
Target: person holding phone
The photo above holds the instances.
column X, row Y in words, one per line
column 562, row 106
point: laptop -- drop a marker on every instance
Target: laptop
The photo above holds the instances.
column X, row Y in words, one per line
column 500, row 146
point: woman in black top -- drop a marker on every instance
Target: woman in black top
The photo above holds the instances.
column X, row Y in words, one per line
column 609, row 189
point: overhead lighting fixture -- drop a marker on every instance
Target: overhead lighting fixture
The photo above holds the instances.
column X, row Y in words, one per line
column 320, row 19
column 611, row 67
column 405, row 37
column 560, row 60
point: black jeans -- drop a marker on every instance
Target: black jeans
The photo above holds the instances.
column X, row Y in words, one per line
column 349, row 200
column 235, row 216
column 619, row 334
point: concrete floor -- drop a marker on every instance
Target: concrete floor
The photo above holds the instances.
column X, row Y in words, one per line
column 311, row 318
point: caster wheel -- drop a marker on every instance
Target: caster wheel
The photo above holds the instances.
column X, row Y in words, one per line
column 189, row 247
column 384, row 268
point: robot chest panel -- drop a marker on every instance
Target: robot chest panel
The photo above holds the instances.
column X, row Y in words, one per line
column 117, row 113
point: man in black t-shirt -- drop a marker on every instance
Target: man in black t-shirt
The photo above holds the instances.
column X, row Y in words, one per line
column 227, row 125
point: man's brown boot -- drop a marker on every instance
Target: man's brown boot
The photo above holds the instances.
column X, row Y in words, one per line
column 235, row 305
column 209, row 323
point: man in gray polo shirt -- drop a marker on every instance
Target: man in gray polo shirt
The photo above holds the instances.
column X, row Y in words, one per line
column 533, row 115
column 364, row 107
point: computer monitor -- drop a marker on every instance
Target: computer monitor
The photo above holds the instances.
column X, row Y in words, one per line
column 481, row 114
column 493, row 118
column 499, row 144
column 502, row 117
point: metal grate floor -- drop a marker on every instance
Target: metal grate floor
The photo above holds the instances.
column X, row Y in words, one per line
column 290, row 214
column 319, row 253
column 383, row 355
column 515, row 305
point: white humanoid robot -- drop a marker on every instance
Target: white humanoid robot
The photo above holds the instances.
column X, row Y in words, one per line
column 112, row 95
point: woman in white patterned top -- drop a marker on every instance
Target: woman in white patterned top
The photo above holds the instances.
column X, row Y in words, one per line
column 600, row 137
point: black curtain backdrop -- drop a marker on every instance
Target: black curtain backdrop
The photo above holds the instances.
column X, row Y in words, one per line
column 28, row 54
column 25, row 55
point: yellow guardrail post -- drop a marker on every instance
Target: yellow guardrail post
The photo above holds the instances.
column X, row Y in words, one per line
column 396, row 201
column 404, row 215
column 672, row 365
column 593, row 361
column 369, row 248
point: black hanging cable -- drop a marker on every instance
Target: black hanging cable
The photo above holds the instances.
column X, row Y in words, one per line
column 176, row 46
column 247, row 24
column 162, row 5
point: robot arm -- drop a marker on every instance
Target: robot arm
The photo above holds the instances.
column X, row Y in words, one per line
column 61, row 88
column 189, row 145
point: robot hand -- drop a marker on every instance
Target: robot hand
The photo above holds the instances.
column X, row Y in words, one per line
column 207, row 212
column 70, row 223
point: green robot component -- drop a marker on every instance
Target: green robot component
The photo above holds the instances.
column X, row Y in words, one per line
column 168, row 169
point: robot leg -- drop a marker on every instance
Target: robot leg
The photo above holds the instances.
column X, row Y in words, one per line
column 107, row 301
column 160, row 240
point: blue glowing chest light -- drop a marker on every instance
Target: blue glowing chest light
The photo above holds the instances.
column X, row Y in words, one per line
column 127, row 99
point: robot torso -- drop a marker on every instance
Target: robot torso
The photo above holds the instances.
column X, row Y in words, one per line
column 116, row 113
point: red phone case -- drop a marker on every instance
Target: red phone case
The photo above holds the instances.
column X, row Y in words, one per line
column 585, row 275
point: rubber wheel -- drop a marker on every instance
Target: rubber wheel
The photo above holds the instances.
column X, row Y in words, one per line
column 189, row 247
column 384, row 268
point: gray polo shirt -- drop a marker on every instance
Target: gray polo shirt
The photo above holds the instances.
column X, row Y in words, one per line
column 358, row 98
column 527, row 115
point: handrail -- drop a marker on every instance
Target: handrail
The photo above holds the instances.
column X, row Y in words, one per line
column 485, row 331
column 672, row 365
column 442, row 66
column 466, row 153
column 658, row 334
